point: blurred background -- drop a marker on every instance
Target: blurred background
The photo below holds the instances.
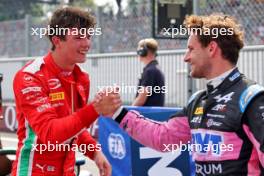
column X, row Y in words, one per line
column 123, row 23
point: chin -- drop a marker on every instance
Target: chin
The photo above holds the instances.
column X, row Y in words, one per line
column 81, row 60
column 195, row 75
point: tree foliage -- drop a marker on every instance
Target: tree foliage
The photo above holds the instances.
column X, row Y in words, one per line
column 17, row 9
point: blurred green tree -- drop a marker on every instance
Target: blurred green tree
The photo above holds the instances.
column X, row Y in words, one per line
column 17, row 9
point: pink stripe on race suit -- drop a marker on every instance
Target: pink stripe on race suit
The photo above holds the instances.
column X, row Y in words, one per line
column 156, row 135
column 255, row 143
column 229, row 145
column 253, row 164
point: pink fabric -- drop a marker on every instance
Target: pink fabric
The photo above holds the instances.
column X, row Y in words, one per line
column 255, row 143
column 157, row 135
column 253, row 164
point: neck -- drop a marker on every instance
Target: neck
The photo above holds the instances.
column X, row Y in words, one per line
column 219, row 68
column 147, row 61
column 60, row 61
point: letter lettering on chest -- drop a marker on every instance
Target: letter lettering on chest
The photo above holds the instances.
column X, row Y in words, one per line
column 207, row 142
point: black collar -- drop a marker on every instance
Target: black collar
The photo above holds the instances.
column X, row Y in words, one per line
column 231, row 79
column 152, row 63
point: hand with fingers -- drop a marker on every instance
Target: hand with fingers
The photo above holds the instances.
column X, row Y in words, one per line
column 102, row 163
column 107, row 101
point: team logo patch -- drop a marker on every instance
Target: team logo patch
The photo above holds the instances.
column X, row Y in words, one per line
column 56, row 96
column 28, row 78
column 225, row 98
column 198, row 111
column 219, row 107
column 54, row 83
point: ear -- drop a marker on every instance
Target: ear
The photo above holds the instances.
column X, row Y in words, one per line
column 56, row 41
column 212, row 48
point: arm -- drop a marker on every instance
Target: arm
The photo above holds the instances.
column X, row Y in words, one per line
column 148, row 80
column 141, row 98
column 153, row 134
column 253, row 125
column 33, row 101
column 87, row 144
column 94, row 152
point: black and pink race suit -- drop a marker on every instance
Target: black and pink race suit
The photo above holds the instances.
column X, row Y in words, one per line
column 224, row 128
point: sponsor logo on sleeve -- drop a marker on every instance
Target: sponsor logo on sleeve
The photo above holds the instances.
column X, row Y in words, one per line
column 28, row 79
column 30, row 89
column 43, row 107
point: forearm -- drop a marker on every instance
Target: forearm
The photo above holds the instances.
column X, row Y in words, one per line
column 140, row 99
column 53, row 129
column 154, row 134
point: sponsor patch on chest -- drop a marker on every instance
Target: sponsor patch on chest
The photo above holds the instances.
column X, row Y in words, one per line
column 57, row 96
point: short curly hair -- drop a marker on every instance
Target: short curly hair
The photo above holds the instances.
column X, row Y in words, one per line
column 230, row 41
column 70, row 17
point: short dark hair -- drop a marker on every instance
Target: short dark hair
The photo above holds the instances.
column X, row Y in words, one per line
column 230, row 44
column 70, row 17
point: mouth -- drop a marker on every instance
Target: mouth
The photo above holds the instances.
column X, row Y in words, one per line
column 83, row 52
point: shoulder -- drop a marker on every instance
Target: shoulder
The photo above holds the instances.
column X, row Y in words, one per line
column 250, row 93
column 29, row 72
column 196, row 95
column 152, row 70
column 33, row 66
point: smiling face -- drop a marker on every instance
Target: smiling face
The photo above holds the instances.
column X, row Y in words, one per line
column 198, row 58
column 73, row 48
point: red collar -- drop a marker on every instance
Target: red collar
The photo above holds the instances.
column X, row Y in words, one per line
column 56, row 70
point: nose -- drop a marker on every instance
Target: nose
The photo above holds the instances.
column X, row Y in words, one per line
column 186, row 57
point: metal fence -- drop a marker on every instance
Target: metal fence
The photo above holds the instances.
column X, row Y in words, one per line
column 124, row 70
column 120, row 33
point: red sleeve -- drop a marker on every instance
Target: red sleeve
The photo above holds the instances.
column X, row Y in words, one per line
column 33, row 102
column 87, row 144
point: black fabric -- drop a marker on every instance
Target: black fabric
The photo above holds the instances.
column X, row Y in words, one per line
column 153, row 77
column 218, row 110
column 210, row 88
column 122, row 114
column 254, row 119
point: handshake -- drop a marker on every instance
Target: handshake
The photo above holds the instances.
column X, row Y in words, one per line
column 107, row 101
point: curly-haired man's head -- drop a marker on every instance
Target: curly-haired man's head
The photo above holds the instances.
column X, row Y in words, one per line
column 222, row 29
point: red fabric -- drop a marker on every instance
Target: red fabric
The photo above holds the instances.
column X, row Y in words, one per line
column 43, row 101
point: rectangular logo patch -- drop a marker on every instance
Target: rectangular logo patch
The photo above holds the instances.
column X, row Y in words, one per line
column 56, row 96
column 198, row 111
